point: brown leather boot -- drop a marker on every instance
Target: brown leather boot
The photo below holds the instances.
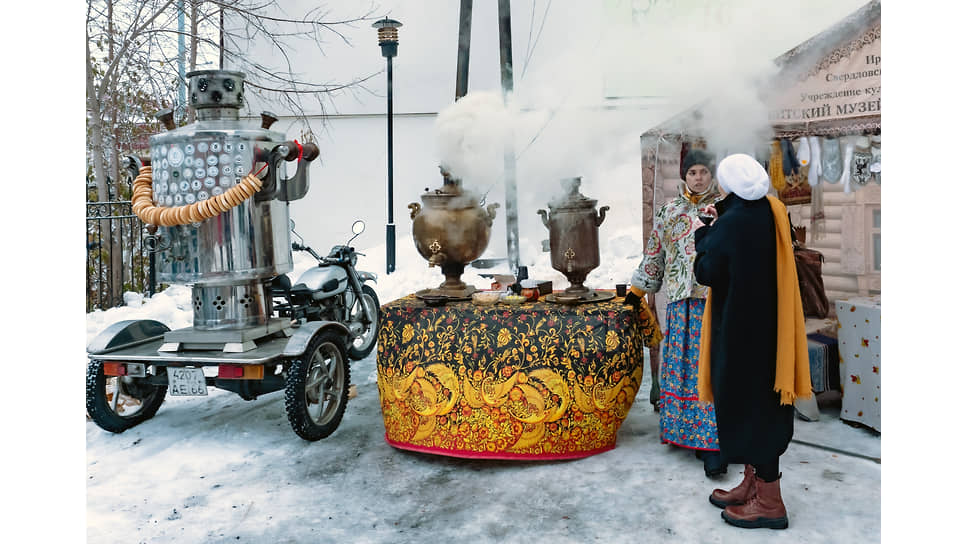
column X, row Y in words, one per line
column 764, row 509
column 737, row 495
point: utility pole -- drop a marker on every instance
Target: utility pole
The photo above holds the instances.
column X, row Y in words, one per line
column 463, row 47
column 510, row 181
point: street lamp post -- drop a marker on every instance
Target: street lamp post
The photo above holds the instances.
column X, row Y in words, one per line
column 387, row 34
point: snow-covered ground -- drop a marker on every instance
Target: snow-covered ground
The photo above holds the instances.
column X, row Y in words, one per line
column 221, row 469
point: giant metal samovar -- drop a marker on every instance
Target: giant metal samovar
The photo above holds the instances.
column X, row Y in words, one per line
column 573, row 230
column 226, row 258
column 216, row 194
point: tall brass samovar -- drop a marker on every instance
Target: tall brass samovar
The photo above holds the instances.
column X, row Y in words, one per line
column 573, row 227
column 451, row 229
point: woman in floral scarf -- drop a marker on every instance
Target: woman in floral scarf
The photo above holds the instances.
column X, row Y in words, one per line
column 669, row 256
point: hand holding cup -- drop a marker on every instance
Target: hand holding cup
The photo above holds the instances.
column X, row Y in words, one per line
column 708, row 214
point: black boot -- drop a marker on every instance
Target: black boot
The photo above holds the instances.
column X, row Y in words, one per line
column 712, row 463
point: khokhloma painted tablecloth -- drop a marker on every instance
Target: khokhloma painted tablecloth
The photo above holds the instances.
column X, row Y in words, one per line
column 535, row 381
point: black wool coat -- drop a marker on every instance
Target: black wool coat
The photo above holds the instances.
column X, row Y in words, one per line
column 736, row 258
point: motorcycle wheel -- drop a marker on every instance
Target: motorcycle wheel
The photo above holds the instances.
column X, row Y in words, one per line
column 117, row 403
column 362, row 345
column 317, row 387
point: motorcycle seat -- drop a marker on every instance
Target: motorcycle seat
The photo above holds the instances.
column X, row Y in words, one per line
column 281, row 285
column 300, row 289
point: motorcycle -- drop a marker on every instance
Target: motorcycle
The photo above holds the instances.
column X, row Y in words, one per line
column 326, row 318
column 334, row 290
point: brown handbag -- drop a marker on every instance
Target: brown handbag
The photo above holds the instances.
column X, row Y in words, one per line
column 809, row 274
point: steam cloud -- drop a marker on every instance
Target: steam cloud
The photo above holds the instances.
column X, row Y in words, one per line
column 714, row 55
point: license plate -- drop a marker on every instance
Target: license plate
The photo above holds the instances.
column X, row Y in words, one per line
column 186, row 382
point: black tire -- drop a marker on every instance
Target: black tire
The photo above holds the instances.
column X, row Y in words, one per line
column 103, row 411
column 315, row 412
column 362, row 345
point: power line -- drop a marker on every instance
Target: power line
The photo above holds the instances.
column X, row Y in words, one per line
column 528, row 54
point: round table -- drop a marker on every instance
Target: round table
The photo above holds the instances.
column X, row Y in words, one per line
column 530, row 381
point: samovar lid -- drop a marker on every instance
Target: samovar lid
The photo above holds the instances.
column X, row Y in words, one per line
column 450, row 195
column 572, row 199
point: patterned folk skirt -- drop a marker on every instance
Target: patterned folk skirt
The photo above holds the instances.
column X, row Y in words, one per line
column 683, row 420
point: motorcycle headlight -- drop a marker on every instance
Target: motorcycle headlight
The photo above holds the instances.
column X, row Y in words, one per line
column 353, row 260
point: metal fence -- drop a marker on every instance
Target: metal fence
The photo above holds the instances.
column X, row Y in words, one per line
column 118, row 259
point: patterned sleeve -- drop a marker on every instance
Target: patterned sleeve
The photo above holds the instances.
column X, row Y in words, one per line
column 648, row 275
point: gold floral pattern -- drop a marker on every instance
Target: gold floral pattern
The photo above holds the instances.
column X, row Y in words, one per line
column 538, row 380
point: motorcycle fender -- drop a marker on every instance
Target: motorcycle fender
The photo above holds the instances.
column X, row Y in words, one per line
column 302, row 336
column 129, row 332
column 366, row 276
column 316, row 277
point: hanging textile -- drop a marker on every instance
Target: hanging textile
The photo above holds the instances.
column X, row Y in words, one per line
column 875, row 167
column 832, row 165
column 848, row 155
column 860, row 163
column 818, row 224
column 813, row 173
column 795, row 189
column 790, row 163
column 777, row 177
column 803, row 152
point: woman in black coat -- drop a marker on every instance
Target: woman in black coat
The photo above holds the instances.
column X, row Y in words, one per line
column 737, row 258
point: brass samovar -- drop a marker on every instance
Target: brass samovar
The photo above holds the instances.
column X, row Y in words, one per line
column 451, row 229
column 573, row 227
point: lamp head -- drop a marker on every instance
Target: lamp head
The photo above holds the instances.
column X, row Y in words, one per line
column 387, row 35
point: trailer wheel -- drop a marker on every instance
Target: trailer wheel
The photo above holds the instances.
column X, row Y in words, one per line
column 317, row 387
column 117, row 403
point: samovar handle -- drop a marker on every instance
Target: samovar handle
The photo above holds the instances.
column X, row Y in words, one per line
column 601, row 215
column 544, row 217
column 414, row 209
column 491, row 213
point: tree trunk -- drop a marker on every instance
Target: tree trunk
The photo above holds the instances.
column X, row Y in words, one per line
column 117, row 249
column 96, row 123
column 97, row 133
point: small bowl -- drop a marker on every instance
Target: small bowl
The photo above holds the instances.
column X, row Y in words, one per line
column 434, row 301
column 485, row 298
column 514, row 299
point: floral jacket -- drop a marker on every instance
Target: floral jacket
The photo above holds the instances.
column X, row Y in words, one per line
column 671, row 250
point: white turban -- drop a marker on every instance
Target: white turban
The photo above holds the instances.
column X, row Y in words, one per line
column 743, row 175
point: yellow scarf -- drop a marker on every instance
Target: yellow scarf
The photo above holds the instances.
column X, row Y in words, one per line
column 693, row 197
column 792, row 363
